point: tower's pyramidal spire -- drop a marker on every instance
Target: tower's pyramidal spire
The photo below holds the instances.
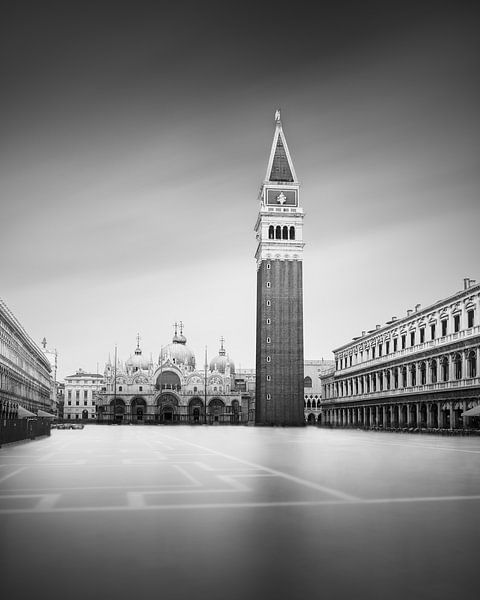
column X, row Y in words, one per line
column 280, row 165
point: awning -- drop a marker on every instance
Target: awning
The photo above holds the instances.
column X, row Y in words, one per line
column 23, row 413
column 44, row 413
column 472, row 412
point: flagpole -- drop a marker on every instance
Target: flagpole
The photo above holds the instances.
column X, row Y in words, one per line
column 115, row 386
column 206, row 385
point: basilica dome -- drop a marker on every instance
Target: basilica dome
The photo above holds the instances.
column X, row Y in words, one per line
column 219, row 362
column 178, row 352
column 137, row 362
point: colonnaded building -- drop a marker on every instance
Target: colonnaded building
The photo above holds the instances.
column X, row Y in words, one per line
column 420, row 371
column 25, row 372
column 173, row 389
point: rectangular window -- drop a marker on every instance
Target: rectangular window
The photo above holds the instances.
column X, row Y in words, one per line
column 77, row 402
column 350, row 360
column 380, row 350
column 444, row 327
column 412, row 338
column 470, row 316
column 373, row 352
column 85, row 393
column 456, row 323
column 77, row 394
column 84, row 403
column 404, row 342
column 422, row 335
column 395, row 344
column 69, row 403
column 69, row 394
column 432, row 331
column 387, row 348
column 140, row 388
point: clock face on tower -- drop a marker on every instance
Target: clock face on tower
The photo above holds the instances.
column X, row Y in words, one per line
column 276, row 197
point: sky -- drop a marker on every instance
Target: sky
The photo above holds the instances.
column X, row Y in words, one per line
column 134, row 137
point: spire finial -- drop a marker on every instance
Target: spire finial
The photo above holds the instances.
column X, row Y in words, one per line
column 181, row 327
column 175, row 325
column 44, row 342
column 138, row 341
column 222, row 349
column 277, row 116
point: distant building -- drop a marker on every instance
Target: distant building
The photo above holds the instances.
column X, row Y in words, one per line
column 419, row 371
column 80, row 395
column 25, row 372
column 173, row 389
column 60, row 399
column 314, row 370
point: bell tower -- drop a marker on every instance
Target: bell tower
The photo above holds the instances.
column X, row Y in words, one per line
column 279, row 350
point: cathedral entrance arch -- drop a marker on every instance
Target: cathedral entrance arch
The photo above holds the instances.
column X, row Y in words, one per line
column 117, row 410
column 235, row 411
column 138, row 408
column 167, row 404
column 196, row 411
column 216, row 410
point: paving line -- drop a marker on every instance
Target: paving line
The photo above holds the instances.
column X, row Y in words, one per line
column 137, row 504
column 292, row 478
column 12, row 474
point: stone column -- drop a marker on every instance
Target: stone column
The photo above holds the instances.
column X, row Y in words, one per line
column 451, row 368
column 453, row 424
column 418, row 413
column 465, row 420
column 384, row 415
column 409, row 416
column 429, row 416
column 464, row 364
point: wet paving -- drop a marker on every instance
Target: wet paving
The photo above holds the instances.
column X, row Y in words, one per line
column 236, row 512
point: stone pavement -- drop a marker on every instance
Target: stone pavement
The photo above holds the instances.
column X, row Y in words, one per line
column 215, row 512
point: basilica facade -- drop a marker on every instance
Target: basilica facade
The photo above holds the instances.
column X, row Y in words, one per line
column 173, row 389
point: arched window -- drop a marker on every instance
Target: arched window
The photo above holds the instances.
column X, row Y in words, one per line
column 309, row 404
column 423, row 373
column 271, row 232
column 388, row 379
column 314, row 404
column 444, row 364
column 458, row 366
column 307, row 382
column 433, row 367
column 285, row 232
column 292, row 232
column 278, row 232
column 413, row 371
column 472, row 364
column 404, row 376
